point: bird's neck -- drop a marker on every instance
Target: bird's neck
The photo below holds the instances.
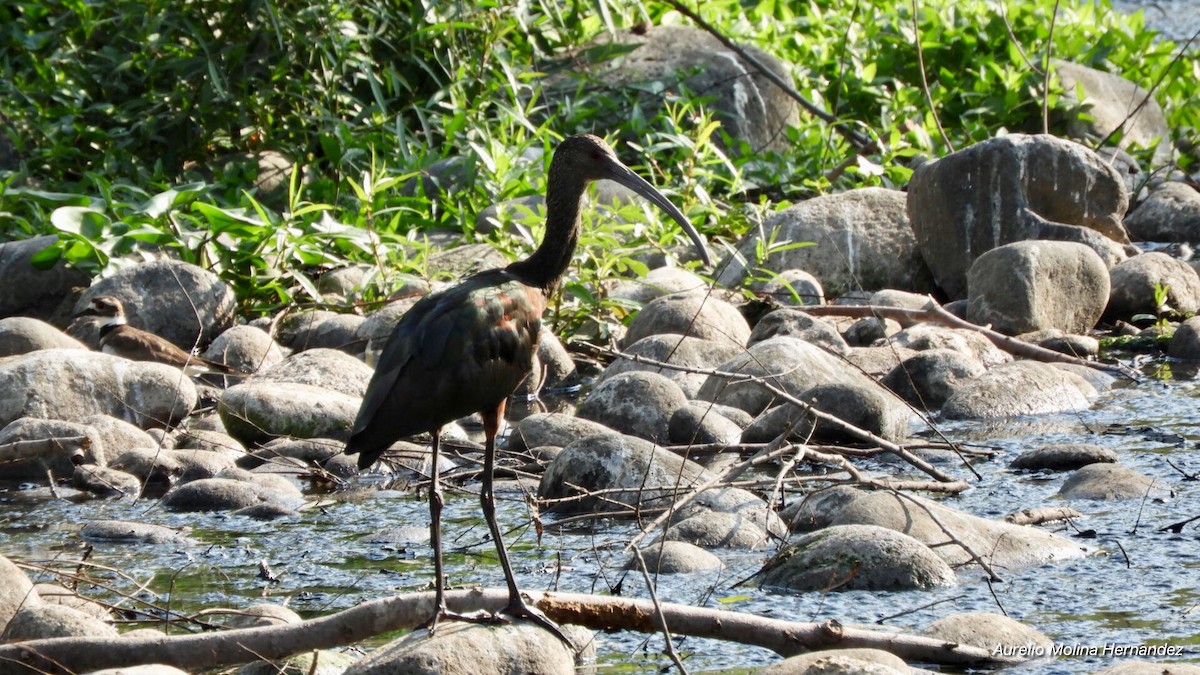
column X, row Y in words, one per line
column 546, row 265
column 108, row 324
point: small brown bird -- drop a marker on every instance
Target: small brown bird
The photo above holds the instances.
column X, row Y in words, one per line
column 118, row 338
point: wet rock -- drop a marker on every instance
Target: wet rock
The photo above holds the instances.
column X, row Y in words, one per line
column 856, row 557
column 118, row 435
column 225, row 494
column 862, row 240
column 1064, row 457
column 55, row 594
column 29, row 447
column 658, row 282
column 860, row 661
column 999, row 191
column 794, row 287
column 797, row 323
column 880, row 360
column 1081, row 346
column 460, row 648
column 29, row 290
column 778, row 420
column 69, row 384
column 265, row 512
column 16, row 591
column 208, row 439
column 1108, row 482
column 696, row 423
column 311, row 451
column 713, row 529
column 1105, row 108
column 1134, row 280
column 105, row 481
column 181, row 302
column 552, row 429
column 636, row 403
column 1170, row 213
column 676, row 557
column 321, row 329
column 868, row 331
column 1019, row 388
column 130, row 532
column 263, row 614
column 789, row 363
column 696, row 314
column 1037, row 285
column 679, row 350
column 927, row 379
column 44, row 620
column 744, row 504
column 987, row 630
column 630, row 471
column 320, row 662
column 928, row 336
column 1001, row 544
column 149, row 464
column 680, row 58
column 248, row 349
column 1185, row 344
column 256, row 412
column 871, row 408
column 21, row 335
column 325, row 368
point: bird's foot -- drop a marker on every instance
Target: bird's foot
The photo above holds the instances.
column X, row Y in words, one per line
column 444, row 614
column 518, row 608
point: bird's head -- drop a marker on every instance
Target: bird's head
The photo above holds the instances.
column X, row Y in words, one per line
column 105, row 307
column 587, row 158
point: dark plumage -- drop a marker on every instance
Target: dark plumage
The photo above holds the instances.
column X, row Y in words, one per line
column 467, row 348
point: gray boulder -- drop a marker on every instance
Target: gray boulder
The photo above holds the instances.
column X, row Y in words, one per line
column 1064, row 457
column 130, row 533
column 320, row 328
column 637, row 403
column 794, row 287
column 987, row 630
column 46, row 294
column 698, row 423
column 1001, row 544
column 696, row 314
column 714, row 529
column 856, row 557
column 255, row 412
column 869, row 407
column 789, row 363
column 1019, row 388
column 245, row 348
column 658, row 282
column 16, row 591
column 21, row 335
column 927, row 379
column 856, row 661
column 1133, row 284
column 69, row 384
column 681, row 350
column 552, row 429
column 1009, row 189
column 799, row 324
column 1107, row 482
column 625, row 470
column 1036, row 285
column 46, row 620
column 1185, row 344
column 1110, row 103
column 662, row 58
column 30, row 447
column 460, row 648
column 227, row 494
column 861, row 239
column 105, row 481
column 321, row 367
column 676, row 557
column 1170, row 213
column 181, row 302
column 924, row 336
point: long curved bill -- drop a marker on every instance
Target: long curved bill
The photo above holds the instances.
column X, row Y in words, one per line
column 625, row 176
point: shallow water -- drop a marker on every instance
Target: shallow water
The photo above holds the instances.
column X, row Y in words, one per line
column 1141, row 587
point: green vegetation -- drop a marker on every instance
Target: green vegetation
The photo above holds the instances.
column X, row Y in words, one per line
column 127, row 123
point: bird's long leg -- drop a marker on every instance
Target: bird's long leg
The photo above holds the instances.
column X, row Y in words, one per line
column 436, row 502
column 517, row 607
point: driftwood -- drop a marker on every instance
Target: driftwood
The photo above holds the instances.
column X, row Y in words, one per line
column 200, row 651
column 938, row 314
